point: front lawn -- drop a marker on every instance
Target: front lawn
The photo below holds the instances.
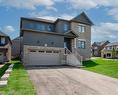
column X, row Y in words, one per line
column 18, row 82
column 107, row 67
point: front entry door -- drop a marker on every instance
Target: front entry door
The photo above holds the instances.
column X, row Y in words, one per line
column 67, row 43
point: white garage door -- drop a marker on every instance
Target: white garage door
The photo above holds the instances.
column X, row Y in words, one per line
column 43, row 58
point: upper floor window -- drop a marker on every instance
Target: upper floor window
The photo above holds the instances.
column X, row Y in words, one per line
column 81, row 44
column 36, row 26
column 49, row 27
column 65, row 27
column 109, row 47
column 40, row 27
column 2, row 40
column 116, row 47
column 30, row 26
column 81, row 28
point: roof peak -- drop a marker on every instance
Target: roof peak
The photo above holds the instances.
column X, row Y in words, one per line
column 82, row 18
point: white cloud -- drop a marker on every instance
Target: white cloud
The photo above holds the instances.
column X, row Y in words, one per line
column 64, row 16
column 77, row 4
column 114, row 13
column 8, row 29
column 105, row 31
column 89, row 4
column 51, row 8
column 38, row 14
column 48, row 17
column 44, row 14
column 59, row 0
column 27, row 4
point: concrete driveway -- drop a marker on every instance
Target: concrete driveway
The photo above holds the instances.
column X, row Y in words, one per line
column 71, row 81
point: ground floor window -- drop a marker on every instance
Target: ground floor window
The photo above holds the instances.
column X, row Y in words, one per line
column 108, row 54
column 81, row 44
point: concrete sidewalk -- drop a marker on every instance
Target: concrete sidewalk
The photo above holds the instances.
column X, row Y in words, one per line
column 1, row 65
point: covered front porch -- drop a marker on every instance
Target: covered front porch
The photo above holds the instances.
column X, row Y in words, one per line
column 70, row 40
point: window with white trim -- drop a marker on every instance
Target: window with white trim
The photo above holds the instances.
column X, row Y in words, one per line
column 65, row 27
column 81, row 28
column 2, row 40
column 109, row 48
column 81, row 44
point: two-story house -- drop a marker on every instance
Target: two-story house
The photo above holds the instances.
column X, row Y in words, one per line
column 46, row 42
column 97, row 47
column 110, row 50
column 5, row 48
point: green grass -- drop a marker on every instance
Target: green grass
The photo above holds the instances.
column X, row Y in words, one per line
column 107, row 67
column 18, row 82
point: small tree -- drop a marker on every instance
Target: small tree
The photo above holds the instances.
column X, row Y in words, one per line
column 114, row 52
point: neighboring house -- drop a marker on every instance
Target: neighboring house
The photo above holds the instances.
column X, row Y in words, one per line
column 110, row 50
column 44, row 41
column 97, row 47
column 5, row 48
column 15, row 48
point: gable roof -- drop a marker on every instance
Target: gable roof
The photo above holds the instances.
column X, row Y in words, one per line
column 100, row 43
column 72, row 33
column 82, row 18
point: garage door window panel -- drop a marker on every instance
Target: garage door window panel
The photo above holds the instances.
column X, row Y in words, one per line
column 32, row 50
column 55, row 51
column 48, row 51
column 41, row 51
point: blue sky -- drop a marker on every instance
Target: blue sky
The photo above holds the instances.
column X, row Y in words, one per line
column 103, row 13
